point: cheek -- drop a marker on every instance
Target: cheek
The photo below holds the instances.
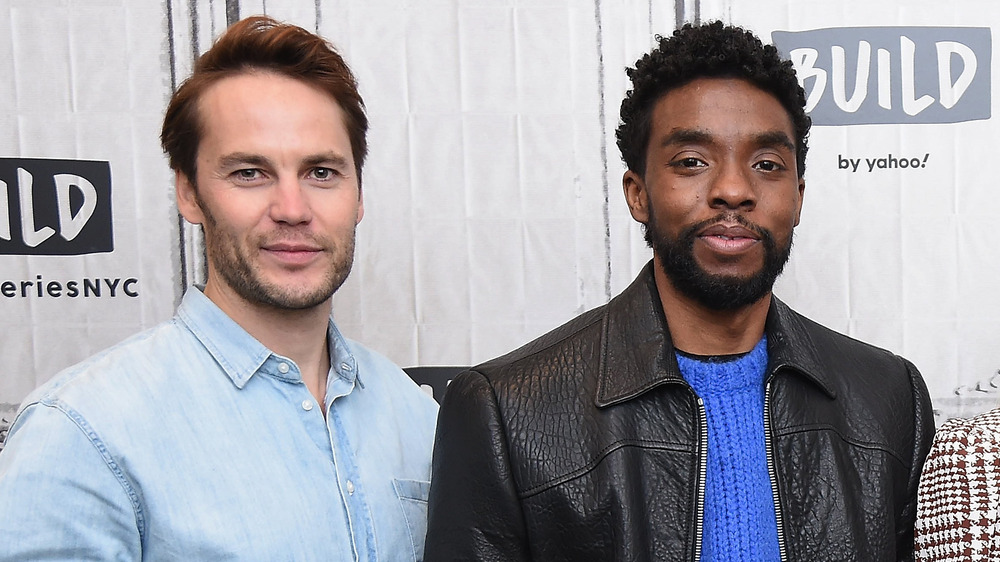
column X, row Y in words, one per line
column 340, row 213
column 794, row 212
column 232, row 232
column 671, row 211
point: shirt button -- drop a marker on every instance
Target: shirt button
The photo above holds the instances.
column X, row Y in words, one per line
column 346, row 367
column 283, row 368
column 307, row 405
column 350, row 487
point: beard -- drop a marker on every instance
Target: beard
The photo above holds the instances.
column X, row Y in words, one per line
column 233, row 263
column 716, row 292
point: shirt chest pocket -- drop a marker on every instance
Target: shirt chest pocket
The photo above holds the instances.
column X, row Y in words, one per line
column 412, row 496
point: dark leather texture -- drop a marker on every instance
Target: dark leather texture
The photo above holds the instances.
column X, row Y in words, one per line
column 584, row 445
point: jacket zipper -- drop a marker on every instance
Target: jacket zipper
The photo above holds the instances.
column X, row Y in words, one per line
column 771, row 472
column 702, row 476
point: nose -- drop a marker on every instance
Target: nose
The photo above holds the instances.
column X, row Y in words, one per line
column 732, row 188
column 289, row 202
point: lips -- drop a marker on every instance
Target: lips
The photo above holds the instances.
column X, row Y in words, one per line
column 292, row 247
column 293, row 253
column 728, row 238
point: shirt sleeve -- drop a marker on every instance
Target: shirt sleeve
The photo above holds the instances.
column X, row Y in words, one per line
column 62, row 497
column 474, row 511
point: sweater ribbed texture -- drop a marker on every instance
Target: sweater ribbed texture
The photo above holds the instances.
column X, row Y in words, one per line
column 739, row 520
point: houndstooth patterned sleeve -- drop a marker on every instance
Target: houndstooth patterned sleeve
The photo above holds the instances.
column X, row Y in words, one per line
column 959, row 492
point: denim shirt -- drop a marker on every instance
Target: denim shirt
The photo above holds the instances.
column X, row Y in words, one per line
column 192, row 441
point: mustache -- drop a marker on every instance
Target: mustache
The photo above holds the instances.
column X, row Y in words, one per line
column 291, row 234
column 727, row 217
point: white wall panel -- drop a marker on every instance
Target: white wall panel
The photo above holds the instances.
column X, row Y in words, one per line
column 903, row 250
column 494, row 209
column 85, row 81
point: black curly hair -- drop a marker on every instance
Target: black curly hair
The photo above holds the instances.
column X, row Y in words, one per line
column 711, row 50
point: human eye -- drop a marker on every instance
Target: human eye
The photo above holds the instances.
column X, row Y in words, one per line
column 769, row 165
column 321, row 173
column 688, row 162
column 248, row 175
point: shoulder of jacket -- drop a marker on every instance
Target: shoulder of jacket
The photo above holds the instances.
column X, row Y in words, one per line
column 825, row 349
column 585, row 327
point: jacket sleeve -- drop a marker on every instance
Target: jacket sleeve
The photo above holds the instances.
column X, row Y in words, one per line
column 923, row 435
column 59, row 498
column 474, row 512
column 957, row 502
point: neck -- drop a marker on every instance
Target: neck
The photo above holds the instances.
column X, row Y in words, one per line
column 300, row 335
column 699, row 330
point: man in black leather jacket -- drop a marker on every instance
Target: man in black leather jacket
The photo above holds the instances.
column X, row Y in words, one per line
column 695, row 416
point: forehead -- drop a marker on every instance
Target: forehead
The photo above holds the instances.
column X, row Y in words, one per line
column 260, row 111
column 255, row 94
column 722, row 105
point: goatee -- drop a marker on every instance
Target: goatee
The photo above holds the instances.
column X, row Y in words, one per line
column 716, row 292
column 233, row 260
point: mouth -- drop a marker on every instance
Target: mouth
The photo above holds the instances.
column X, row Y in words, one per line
column 293, row 253
column 728, row 238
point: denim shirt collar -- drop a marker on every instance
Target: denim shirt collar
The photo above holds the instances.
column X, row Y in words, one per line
column 342, row 361
column 239, row 354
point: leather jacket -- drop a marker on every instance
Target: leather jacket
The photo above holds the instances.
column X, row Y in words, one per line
column 587, row 444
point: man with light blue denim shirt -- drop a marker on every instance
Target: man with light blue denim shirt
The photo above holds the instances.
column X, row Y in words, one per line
column 247, row 427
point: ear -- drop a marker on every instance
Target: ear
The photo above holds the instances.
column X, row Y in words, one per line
column 802, row 191
column 635, row 196
column 361, row 206
column 187, row 199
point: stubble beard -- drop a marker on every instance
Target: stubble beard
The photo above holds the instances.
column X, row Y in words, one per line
column 716, row 292
column 233, row 264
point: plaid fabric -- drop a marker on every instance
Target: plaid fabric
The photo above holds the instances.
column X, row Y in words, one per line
column 959, row 492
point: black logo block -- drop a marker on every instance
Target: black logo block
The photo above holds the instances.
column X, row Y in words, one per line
column 55, row 207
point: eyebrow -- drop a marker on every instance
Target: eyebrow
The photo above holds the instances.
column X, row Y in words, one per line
column 242, row 158
column 331, row 158
column 686, row 136
column 777, row 139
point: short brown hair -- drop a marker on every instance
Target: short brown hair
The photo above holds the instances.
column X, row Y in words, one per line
column 262, row 43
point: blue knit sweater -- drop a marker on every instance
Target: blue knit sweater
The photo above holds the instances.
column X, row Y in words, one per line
column 739, row 521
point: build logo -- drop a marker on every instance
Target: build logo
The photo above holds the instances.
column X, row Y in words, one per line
column 55, row 207
column 858, row 75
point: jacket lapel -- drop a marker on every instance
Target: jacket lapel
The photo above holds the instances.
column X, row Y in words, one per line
column 790, row 346
column 636, row 352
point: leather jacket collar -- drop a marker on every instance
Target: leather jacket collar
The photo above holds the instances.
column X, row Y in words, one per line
column 637, row 354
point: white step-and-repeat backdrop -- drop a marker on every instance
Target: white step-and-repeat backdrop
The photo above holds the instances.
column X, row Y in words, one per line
column 493, row 191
